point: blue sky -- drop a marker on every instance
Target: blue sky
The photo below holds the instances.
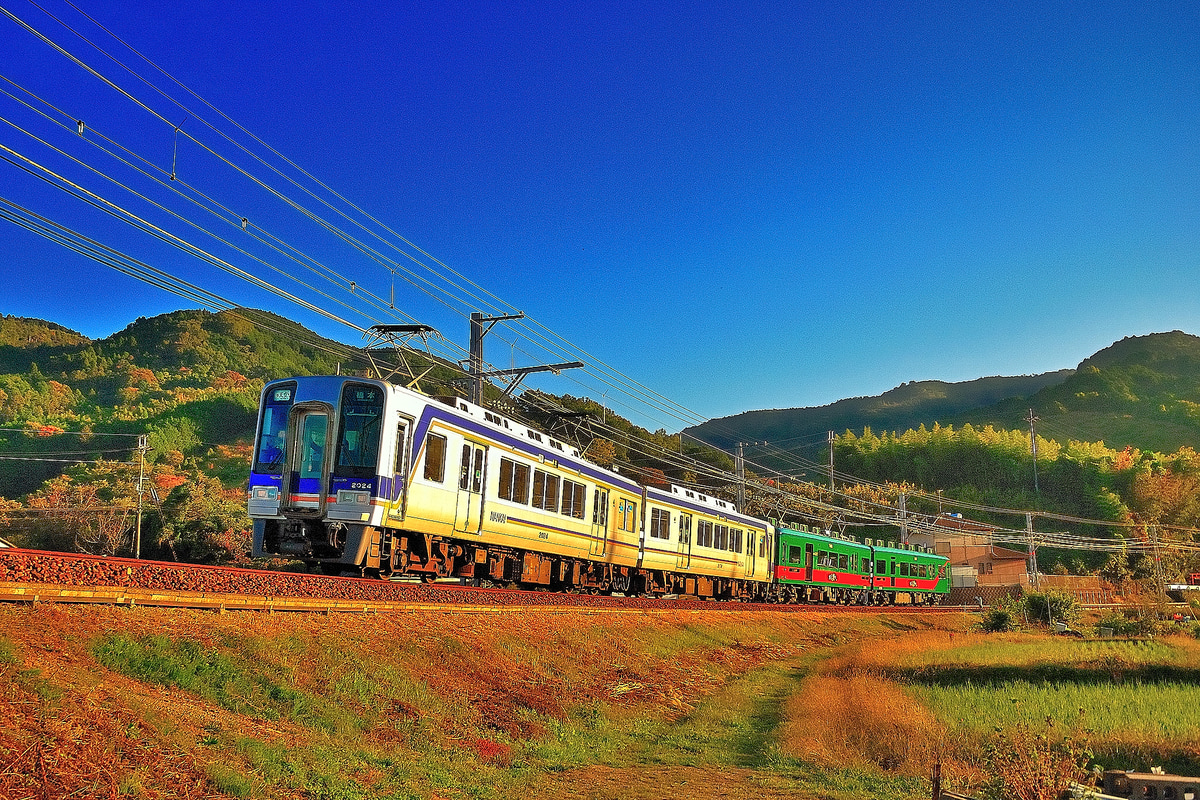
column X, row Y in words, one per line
column 739, row 206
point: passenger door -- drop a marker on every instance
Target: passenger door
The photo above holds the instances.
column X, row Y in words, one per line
column 308, row 462
column 468, row 516
column 398, row 496
column 684, row 560
column 599, row 544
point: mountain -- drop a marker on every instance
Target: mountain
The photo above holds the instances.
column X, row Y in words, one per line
column 1142, row 392
column 908, row 405
column 189, row 378
column 24, row 341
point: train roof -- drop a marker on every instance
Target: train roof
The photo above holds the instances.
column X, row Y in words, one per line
column 803, row 531
column 504, row 423
column 880, row 545
column 905, row 549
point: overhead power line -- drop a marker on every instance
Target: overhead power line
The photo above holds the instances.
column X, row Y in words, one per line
column 334, row 214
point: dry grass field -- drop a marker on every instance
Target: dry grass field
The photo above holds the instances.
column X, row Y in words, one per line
column 155, row 703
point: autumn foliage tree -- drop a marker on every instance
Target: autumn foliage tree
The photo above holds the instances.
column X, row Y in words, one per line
column 92, row 514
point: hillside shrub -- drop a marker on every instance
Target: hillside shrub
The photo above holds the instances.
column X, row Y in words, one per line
column 1052, row 606
column 1028, row 764
column 1002, row 617
column 1122, row 624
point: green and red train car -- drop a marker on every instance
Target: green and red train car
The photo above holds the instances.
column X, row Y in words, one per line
column 823, row 567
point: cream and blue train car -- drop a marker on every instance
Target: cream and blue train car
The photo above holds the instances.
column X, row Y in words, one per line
column 355, row 475
column 700, row 545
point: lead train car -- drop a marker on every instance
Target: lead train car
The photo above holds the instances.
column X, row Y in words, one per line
column 363, row 476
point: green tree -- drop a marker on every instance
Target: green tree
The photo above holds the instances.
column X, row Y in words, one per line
column 205, row 523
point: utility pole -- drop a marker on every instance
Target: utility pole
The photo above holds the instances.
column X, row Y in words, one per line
column 478, row 331
column 1158, row 575
column 1033, row 549
column 903, row 518
column 143, row 446
column 480, row 326
column 739, row 467
column 831, row 461
column 1033, row 451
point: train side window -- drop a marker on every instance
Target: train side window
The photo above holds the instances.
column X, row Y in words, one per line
column 520, row 493
column 628, row 511
column 721, row 537
column 660, row 523
column 477, row 474
column 401, row 449
column 881, row 567
column 844, row 561
column 735, row 540
column 514, row 481
column 762, row 546
column 545, row 490
column 464, row 472
column 435, row 458
column 572, row 499
column 685, row 528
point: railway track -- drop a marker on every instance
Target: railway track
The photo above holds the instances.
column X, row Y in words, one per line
column 31, row 576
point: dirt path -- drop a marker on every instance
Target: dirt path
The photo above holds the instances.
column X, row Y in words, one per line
column 722, row 750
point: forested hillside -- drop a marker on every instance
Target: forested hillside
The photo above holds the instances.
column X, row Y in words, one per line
column 1141, row 392
column 189, row 379
column 906, row 406
column 71, row 412
column 190, row 382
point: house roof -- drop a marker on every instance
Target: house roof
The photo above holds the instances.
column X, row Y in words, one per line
column 957, row 523
column 1007, row 553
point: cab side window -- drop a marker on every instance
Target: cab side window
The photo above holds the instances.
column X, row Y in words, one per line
column 435, row 458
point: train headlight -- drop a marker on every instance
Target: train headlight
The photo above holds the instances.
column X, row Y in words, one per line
column 351, row 498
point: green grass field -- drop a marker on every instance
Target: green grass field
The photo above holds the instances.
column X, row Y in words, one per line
column 1135, row 702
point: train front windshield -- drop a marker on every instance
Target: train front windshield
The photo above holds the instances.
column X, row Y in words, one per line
column 272, row 440
column 358, row 441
